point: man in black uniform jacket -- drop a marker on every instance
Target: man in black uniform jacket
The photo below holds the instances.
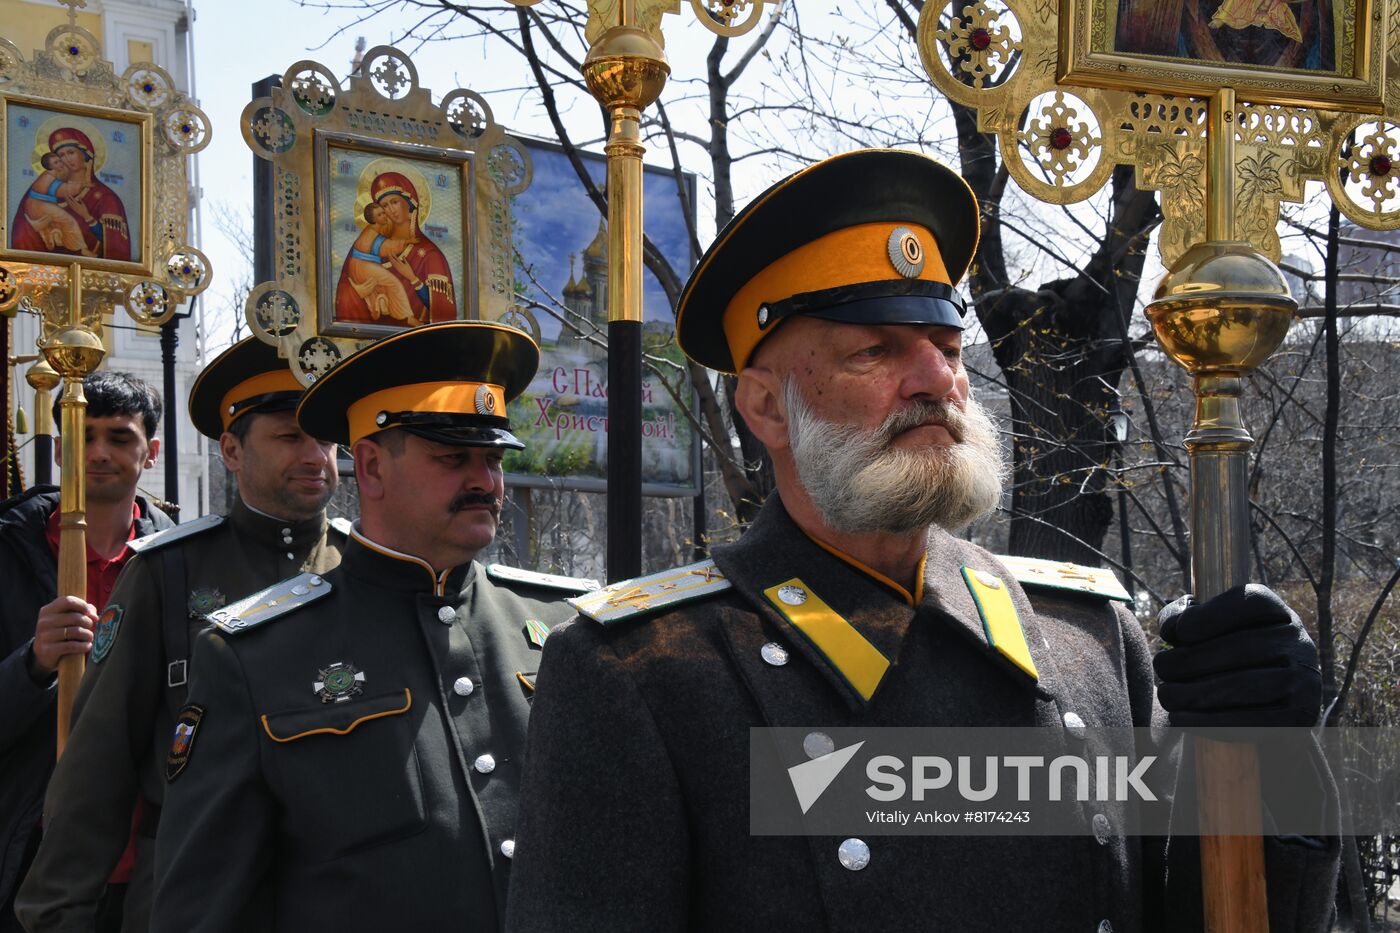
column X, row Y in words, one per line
column 353, row 741
column 849, row 603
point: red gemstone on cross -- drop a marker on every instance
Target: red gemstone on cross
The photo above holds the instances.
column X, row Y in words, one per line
column 1381, row 165
column 1060, row 138
column 980, row 39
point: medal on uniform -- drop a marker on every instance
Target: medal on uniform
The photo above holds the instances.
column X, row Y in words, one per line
column 536, row 631
column 338, row 682
column 204, row 601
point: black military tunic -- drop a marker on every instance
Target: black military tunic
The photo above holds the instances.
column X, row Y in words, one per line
column 135, row 683
column 360, row 754
column 650, row 717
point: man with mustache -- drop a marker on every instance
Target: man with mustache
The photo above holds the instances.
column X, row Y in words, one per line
column 850, row 602
column 104, row 802
column 353, row 742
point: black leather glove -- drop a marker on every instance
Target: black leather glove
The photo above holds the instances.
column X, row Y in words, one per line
column 1239, row 660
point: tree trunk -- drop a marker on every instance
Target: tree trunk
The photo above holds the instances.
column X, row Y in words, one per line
column 1061, row 351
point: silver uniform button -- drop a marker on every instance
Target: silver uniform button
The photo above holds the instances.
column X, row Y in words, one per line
column 853, row 854
column 988, row 580
column 792, row 595
column 447, row 615
column 817, row 744
column 1074, row 724
column 463, row 686
column 316, row 581
column 485, row 764
column 1105, row 927
column 774, row 653
column 289, row 556
column 1103, row 829
column 508, row 848
column 300, row 590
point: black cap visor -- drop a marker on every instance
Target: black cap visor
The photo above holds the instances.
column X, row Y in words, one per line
column 456, row 430
column 896, row 302
column 906, row 310
column 265, row 404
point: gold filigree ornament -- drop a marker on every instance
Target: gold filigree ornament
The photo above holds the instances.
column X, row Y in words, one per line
column 1064, row 119
column 130, row 126
column 982, row 42
column 728, row 17
column 1366, row 184
column 9, row 290
column 391, row 209
column 722, row 17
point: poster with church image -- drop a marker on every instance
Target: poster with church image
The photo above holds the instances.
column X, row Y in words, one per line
column 562, row 274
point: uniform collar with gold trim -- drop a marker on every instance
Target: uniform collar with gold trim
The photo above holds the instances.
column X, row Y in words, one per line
column 850, row 622
column 850, row 625
column 384, row 566
column 977, row 592
column 278, row 534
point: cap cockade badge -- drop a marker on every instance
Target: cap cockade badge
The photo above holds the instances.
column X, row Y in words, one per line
column 485, row 401
column 906, row 252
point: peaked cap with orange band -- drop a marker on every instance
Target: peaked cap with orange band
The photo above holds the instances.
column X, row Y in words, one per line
column 875, row 236
column 448, row 382
column 247, row 377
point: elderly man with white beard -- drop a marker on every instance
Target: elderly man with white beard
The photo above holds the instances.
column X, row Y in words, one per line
column 851, row 602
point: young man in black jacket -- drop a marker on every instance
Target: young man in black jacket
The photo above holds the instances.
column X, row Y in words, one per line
column 37, row 628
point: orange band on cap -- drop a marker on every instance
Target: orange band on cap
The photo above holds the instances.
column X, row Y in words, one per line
column 849, row 256
column 457, row 398
column 279, row 380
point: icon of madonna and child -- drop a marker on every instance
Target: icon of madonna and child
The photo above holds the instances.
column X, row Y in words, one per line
column 394, row 274
column 68, row 209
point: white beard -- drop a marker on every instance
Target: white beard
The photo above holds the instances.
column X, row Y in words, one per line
column 860, row 484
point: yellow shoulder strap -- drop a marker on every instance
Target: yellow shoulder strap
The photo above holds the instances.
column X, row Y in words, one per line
column 999, row 619
column 858, row 661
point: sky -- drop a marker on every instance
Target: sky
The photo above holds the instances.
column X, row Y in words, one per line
column 237, row 42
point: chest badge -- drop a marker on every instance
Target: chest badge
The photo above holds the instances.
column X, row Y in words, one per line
column 204, row 601
column 105, row 634
column 182, row 742
column 338, row 682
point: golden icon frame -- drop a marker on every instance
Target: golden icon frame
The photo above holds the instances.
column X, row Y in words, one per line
column 143, row 123
column 1087, row 31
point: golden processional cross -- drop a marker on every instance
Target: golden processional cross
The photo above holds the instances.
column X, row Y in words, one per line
column 625, row 70
column 1226, row 111
column 124, row 141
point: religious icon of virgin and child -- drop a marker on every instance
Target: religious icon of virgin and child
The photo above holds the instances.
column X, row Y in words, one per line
column 1296, row 34
column 394, row 275
column 68, row 209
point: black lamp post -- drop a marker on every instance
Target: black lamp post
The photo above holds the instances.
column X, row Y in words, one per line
column 170, row 448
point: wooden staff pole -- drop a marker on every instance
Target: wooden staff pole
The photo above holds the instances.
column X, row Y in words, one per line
column 1220, row 312
column 74, row 351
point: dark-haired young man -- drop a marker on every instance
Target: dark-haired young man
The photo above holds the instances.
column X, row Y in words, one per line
column 36, row 629
column 112, row 775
